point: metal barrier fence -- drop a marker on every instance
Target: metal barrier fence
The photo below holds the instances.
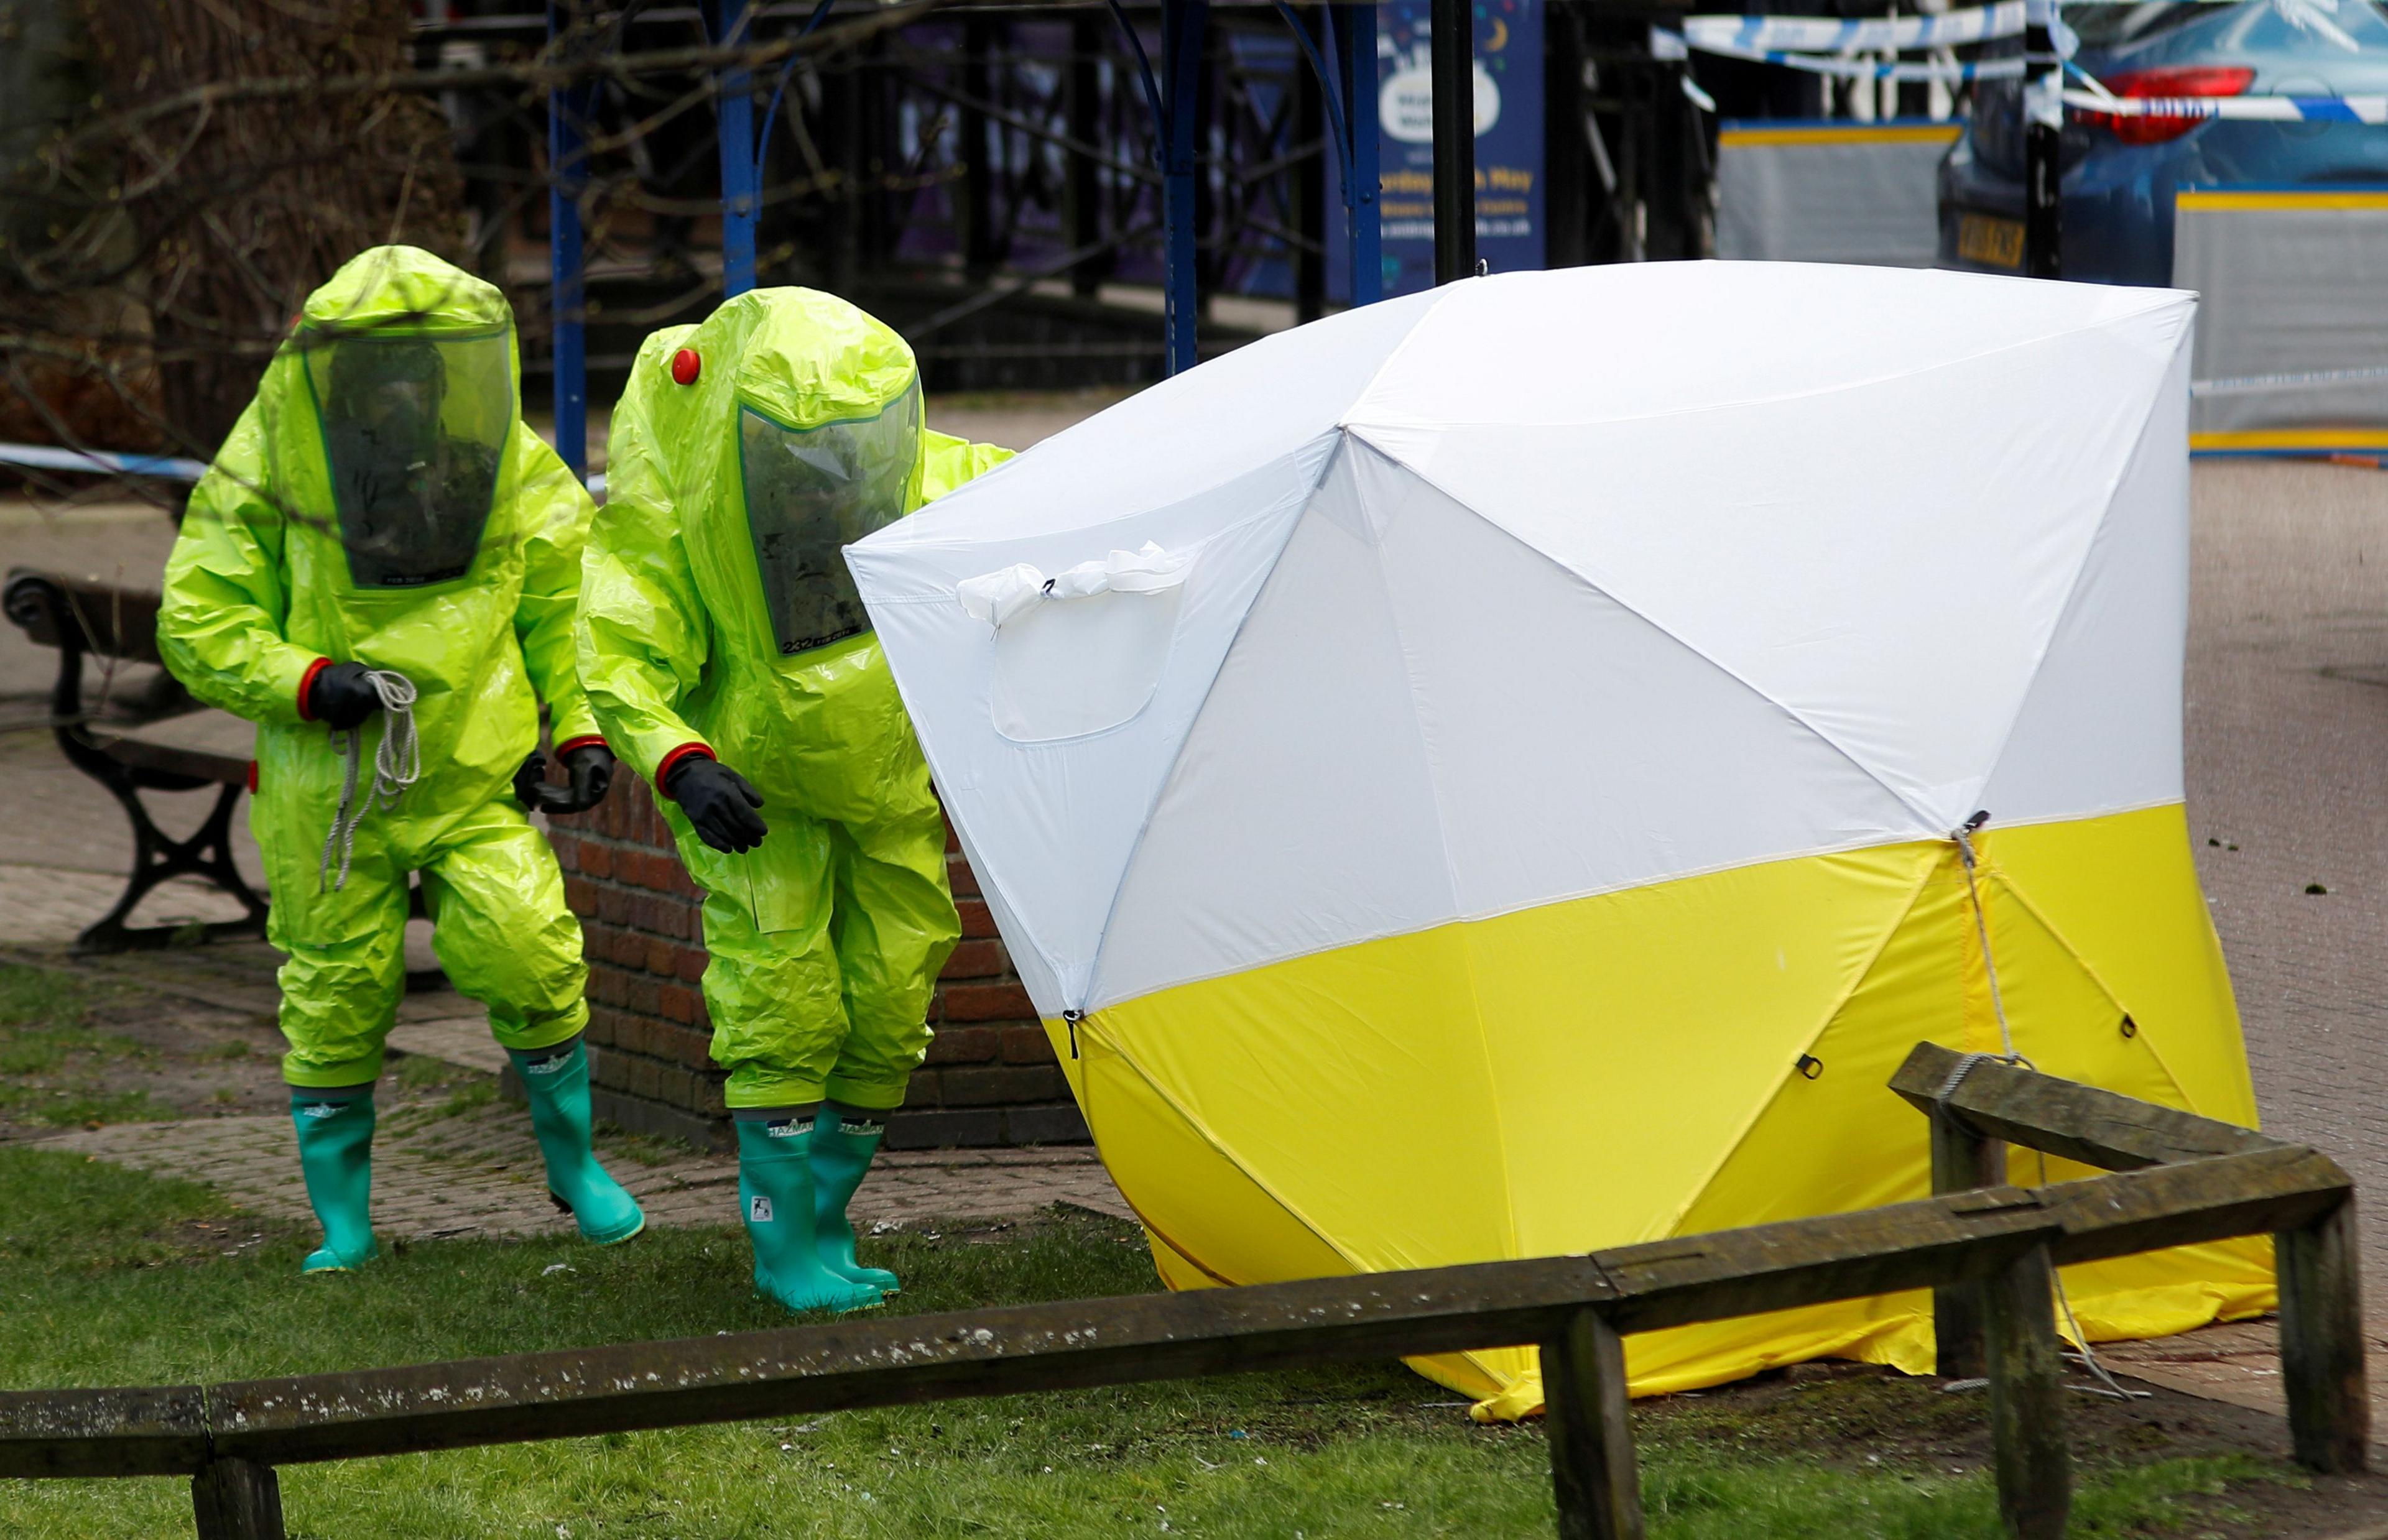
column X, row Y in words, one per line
column 1988, row 1249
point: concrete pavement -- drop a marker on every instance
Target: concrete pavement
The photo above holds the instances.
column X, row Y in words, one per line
column 2288, row 762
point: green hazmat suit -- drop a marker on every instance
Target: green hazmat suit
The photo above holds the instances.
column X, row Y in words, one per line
column 717, row 618
column 381, row 502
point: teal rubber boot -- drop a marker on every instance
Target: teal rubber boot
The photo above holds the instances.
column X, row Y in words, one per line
column 556, row 1080
column 843, row 1144
column 775, row 1193
column 335, row 1152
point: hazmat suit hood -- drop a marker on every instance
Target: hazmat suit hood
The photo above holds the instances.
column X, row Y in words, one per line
column 409, row 369
column 381, row 502
column 829, row 450
column 706, row 582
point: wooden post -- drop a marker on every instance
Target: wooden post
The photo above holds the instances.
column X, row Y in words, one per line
column 237, row 1499
column 2321, row 1342
column 1590, row 1431
column 2027, row 1397
column 1962, row 1160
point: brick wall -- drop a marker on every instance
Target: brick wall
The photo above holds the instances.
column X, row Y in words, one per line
column 990, row 1078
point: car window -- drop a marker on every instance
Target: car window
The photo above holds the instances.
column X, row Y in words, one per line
column 2105, row 26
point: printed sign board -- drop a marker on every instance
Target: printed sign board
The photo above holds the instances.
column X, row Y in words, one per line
column 1509, row 231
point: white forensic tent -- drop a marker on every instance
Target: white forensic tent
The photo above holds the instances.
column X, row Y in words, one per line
column 1474, row 777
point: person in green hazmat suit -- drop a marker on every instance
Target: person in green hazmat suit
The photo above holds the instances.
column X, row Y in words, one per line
column 728, row 658
column 379, row 570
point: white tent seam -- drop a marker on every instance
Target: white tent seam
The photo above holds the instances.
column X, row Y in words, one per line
column 1160, row 788
column 1922, row 815
column 2064, row 611
column 944, row 595
column 1807, row 1044
column 2116, row 809
column 1394, row 354
column 987, row 880
column 1208, row 1137
column 1356, row 421
column 1999, row 878
column 1508, row 1208
column 1109, row 516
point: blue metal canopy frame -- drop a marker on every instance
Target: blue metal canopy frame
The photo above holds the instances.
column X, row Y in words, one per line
column 1346, row 67
column 567, row 165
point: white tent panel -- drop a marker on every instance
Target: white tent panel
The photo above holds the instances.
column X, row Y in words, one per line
column 1301, row 815
column 1034, row 970
column 1894, row 583
column 2100, row 729
column 1643, row 340
column 1193, row 430
column 1051, row 823
column 1425, row 720
column 1577, row 749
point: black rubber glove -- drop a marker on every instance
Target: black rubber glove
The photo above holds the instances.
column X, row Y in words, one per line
column 719, row 803
column 340, row 696
column 530, row 782
column 592, row 768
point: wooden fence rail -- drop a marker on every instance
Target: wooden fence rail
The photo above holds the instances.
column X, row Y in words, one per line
column 1988, row 1248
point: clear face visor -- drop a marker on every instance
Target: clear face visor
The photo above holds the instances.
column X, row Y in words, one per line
column 811, row 491
column 414, row 431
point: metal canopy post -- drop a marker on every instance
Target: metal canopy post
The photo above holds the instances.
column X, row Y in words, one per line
column 1355, row 29
column 568, row 299
column 1452, row 45
column 1082, row 187
column 1182, row 26
column 1312, row 124
column 731, row 28
column 2044, row 127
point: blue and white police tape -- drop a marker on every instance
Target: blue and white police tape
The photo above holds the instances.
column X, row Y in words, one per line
column 1753, row 36
column 1740, row 36
column 2303, row 379
column 1872, row 69
column 1784, row 39
column 46, row 457
column 2258, row 110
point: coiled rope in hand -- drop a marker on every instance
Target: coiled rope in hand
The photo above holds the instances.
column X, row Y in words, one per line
column 397, row 761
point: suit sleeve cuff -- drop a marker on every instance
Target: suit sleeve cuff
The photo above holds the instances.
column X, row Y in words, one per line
column 307, row 683
column 671, row 761
column 583, row 742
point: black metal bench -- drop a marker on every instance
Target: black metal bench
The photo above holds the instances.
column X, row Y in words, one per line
column 168, row 744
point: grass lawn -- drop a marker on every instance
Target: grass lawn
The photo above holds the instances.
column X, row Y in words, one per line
column 108, row 1276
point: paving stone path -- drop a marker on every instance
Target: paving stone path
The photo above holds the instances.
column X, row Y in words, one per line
column 478, row 1173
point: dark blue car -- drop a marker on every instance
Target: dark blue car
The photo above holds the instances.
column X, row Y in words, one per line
column 2120, row 172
